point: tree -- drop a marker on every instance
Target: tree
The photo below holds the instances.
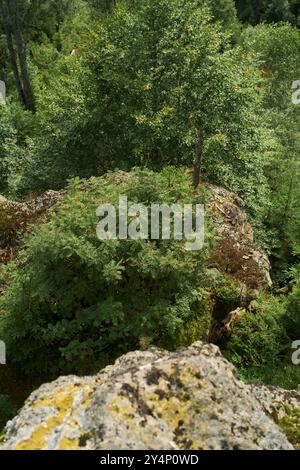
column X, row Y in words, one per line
column 161, row 72
column 199, row 158
column 154, row 74
column 9, row 149
column 278, row 48
column 268, row 10
column 11, row 50
column 103, row 5
column 10, row 14
column 225, row 11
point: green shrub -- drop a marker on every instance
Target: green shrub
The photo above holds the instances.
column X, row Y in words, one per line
column 291, row 317
column 9, row 149
column 73, row 303
column 228, row 295
column 6, row 410
column 290, row 425
column 259, row 342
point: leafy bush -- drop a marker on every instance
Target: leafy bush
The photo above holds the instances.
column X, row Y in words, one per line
column 9, row 149
column 74, row 303
column 291, row 318
column 228, row 295
column 260, row 345
column 256, row 340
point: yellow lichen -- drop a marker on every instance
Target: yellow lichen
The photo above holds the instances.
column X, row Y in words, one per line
column 61, row 402
column 174, row 407
column 69, row 444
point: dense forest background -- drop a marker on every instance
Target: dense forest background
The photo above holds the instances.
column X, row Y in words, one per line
column 100, row 85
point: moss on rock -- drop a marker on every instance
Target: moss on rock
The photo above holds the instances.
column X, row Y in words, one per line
column 290, row 425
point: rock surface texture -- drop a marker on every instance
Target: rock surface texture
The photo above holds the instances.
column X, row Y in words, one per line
column 16, row 217
column 276, row 401
column 189, row 399
column 236, row 254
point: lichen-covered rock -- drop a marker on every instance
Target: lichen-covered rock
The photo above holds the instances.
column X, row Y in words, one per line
column 236, row 254
column 15, row 217
column 189, row 399
column 284, row 408
column 276, row 401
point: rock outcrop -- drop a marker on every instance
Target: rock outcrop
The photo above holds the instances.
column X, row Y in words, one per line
column 284, row 408
column 189, row 399
column 16, row 217
column 236, row 253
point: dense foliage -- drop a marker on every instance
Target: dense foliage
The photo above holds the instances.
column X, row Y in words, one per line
column 261, row 345
column 154, row 84
column 74, row 303
column 151, row 77
column 272, row 11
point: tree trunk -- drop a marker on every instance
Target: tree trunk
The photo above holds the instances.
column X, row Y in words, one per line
column 14, row 12
column 11, row 50
column 9, row 11
column 199, row 158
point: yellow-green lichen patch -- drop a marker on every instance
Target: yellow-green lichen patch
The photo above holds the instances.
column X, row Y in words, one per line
column 121, row 406
column 290, row 425
column 169, row 396
column 177, row 405
column 69, row 444
column 61, row 399
column 61, row 402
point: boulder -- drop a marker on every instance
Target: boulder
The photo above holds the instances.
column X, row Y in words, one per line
column 276, row 401
column 189, row 399
column 236, row 254
column 16, row 217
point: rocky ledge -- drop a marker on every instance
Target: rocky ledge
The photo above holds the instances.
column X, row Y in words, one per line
column 189, row 399
column 236, row 254
column 16, row 217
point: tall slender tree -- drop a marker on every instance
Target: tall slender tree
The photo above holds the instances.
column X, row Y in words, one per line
column 11, row 24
